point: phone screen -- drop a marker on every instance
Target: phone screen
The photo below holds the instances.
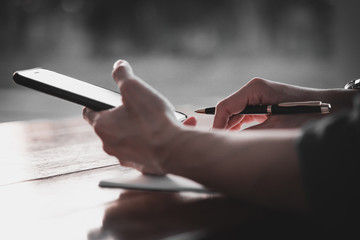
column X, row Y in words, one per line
column 72, row 89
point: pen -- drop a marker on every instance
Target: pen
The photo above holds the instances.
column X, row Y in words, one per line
column 282, row 108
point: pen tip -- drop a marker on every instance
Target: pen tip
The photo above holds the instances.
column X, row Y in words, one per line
column 200, row 111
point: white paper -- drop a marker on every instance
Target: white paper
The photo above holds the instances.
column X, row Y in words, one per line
column 139, row 181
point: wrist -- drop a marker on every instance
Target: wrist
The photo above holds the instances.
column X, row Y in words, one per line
column 173, row 154
column 338, row 98
column 167, row 138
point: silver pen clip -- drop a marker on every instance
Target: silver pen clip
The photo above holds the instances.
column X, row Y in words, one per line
column 294, row 104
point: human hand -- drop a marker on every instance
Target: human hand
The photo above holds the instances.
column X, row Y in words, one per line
column 261, row 91
column 135, row 132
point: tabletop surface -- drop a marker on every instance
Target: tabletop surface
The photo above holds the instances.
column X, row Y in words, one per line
column 49, row 176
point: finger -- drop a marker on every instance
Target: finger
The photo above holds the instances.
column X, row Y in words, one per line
column 122, row 71
column 255, row 122
column 246, row 119
column 227, row 108
column 90, row 115
column 260, row 118
column 257, row 126
column 221, row 119
column 191, row 121
column 268, row 123
column 137, row 95
column 235, row 120
column 237, row 127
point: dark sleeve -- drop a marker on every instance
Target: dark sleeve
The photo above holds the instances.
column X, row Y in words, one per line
column 329, row 152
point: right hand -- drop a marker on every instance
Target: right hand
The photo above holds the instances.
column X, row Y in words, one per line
column 261, row 91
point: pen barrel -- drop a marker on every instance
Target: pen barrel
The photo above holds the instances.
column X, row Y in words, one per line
column 210, row 110
column 295, row 109
column 255, row 109
column 277, row 109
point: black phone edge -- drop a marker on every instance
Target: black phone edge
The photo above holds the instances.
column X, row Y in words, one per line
column 69, row 96
column 62, row 94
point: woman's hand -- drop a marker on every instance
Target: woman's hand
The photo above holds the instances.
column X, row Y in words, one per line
column 261, row 91
column 135, row 132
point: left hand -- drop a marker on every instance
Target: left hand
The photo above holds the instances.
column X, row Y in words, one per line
column 137, row 132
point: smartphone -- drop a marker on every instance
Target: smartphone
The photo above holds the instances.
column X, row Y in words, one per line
column 71, row 89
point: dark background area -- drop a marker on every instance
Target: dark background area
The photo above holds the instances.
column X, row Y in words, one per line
column 194, row 52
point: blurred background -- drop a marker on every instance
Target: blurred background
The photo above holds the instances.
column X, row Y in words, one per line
column 194, row 52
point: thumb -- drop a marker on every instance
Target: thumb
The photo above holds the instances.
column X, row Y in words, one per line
column 263, row 125
column 137, row 94
column 122, row 71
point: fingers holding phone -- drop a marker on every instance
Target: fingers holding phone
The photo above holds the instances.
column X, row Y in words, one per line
column 135, row 131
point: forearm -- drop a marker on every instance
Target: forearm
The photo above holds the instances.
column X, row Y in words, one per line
column 258, row 166
column 339, row 98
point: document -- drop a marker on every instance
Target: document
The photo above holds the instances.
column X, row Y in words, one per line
column 139, row 181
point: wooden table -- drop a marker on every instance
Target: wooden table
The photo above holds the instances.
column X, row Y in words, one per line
column 49, row 178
